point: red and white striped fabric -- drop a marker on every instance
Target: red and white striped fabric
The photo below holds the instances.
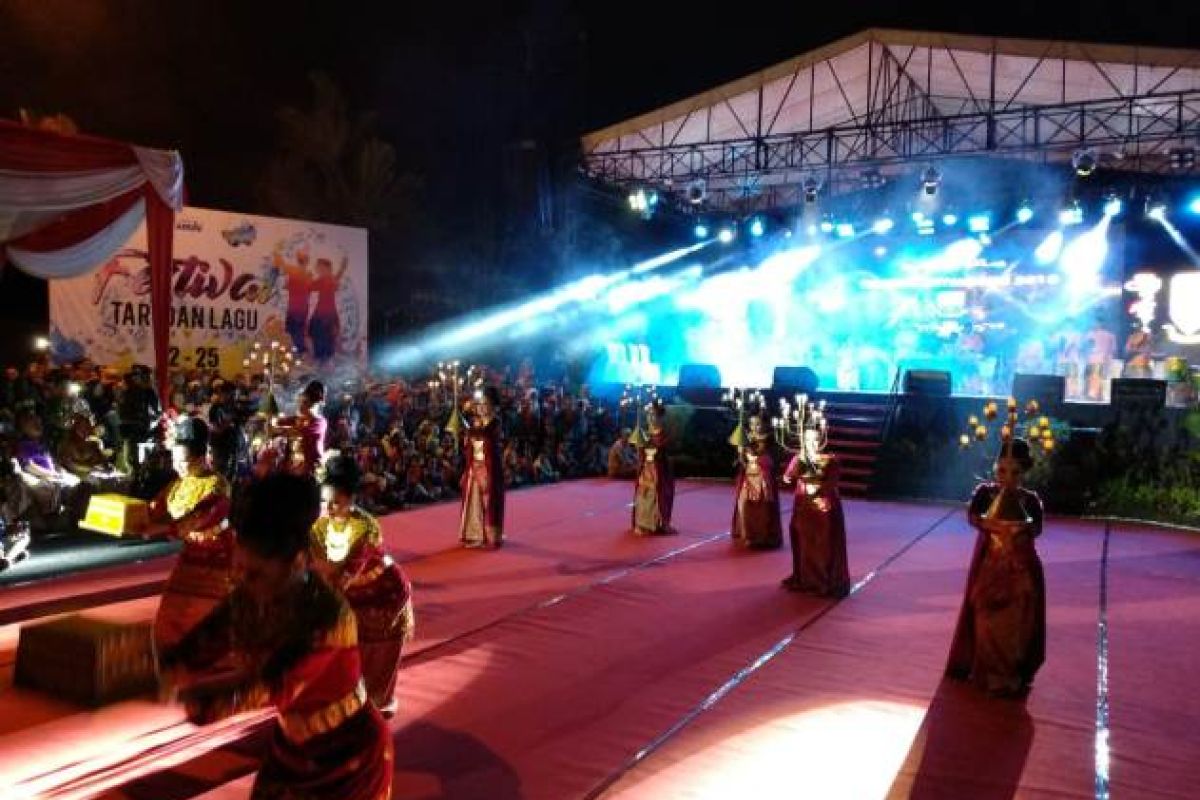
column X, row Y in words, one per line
column 68, row 202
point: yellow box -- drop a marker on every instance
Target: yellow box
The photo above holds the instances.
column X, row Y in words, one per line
column 116, row 515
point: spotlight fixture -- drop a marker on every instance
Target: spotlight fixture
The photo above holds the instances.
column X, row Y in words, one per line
column 845, row 230
column 701, row 230
column 697, row 192
column 757, row 227
column 1084, row 162
column 811, row 187
column 1194, row 205
column 725, row 235
column 643, row 201
column 1071, row 214
column 827, row 226
column 918, row 217
column 949, row 219
column 873, row 179
column 979, row 223
column 931, row 179
column 883, row 225
column 1156, row 209
column 1024, row 213
column 1183, row 159
column 1112, row 206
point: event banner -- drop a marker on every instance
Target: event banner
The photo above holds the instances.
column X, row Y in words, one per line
column 238, row 280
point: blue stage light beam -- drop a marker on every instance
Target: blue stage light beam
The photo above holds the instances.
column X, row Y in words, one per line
column 1051, row 247
column 453, row 336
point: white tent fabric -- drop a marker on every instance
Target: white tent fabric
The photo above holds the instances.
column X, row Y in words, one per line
column 81, row 257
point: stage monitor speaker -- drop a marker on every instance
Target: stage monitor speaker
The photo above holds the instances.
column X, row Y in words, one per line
column 699, row 376
column 1046, row 389
column 791, row 380
column 1143, row 393
column 927, row 382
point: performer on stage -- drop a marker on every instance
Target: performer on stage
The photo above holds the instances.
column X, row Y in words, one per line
column 1139, row 349
column 654, row 492
column 307, row 430
column 756, row 506
column 818, row 527
column 195, row 507
column 1000, row 641
column 285, row 638
column 1101, row 349
column 347, row 551
column 482, row 519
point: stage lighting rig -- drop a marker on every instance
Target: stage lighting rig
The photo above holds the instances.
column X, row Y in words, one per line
column 1183, row 159
column 873, row 179
column 1084, row 161
column 811, row 187
column 1024, row 212
column 931, row 179
column 643, row 201
column 697, row 192
column 1155, row 209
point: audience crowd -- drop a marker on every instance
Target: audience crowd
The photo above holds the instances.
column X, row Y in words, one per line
column 69, row 431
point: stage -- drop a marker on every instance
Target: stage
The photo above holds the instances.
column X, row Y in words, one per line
column 582, row 662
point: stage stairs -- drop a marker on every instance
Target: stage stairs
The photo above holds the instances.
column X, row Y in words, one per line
column 856, row 431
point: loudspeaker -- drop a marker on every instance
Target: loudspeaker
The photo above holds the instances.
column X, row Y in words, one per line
column 699, row 376
column 792, row 380
column 1143, row 393
column 927, row 382
column 1046, row 389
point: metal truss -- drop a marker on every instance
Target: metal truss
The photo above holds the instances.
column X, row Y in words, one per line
column 922, row 99
column 1134, row 133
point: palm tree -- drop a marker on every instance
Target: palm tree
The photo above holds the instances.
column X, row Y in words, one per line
column 332, row 167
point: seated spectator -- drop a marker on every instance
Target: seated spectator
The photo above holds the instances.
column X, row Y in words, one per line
column 622, row 457
column 54, row 491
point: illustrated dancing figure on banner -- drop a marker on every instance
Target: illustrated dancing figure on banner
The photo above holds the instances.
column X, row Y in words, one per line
column 194, row 508
column 1000, row 639
column 347, row 551
column 284, row 638
column 482, row 518
column 756, row 523
column 818, row 526
column 298, row 283
column 654, row 491
column 324, row 326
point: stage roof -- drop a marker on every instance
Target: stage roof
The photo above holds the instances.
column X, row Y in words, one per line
column 890, row 95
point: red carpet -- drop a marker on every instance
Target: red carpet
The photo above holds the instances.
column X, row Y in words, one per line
column 542, row 670
column 1154, row 651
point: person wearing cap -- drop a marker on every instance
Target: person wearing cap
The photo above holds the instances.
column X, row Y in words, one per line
column 346, row 549
column 482, row 518
column 195, row 509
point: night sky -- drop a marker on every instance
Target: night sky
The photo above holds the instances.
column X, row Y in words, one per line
column 452, row 83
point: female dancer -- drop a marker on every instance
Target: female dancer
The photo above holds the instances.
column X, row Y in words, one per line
column 818, row 526
column 307, row 430
column 756, row 507
column 1000, row 641
column 284, row 638
column 347, row 550
column 195, row 507
column 482, row 518
column 654, row 492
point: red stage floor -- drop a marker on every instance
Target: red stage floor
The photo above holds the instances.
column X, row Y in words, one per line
column 583, row 662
